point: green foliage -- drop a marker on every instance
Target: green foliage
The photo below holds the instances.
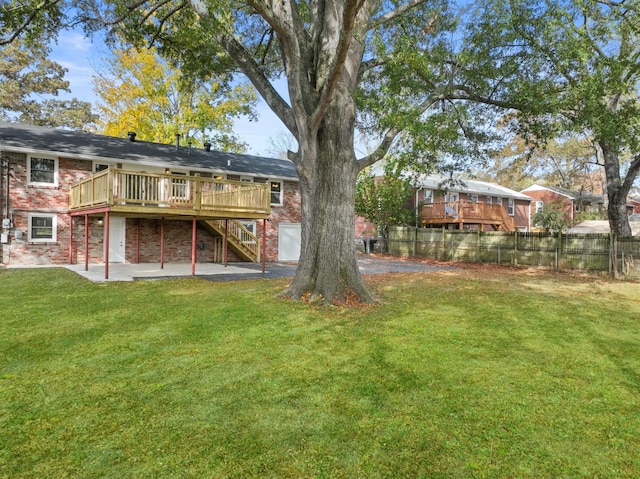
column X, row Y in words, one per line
column 468, row 375
column 552, row 218
column 142, row 93
column 28, row 80
column 382, row 200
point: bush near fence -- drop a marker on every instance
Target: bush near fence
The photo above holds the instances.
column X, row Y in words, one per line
column 587, row 252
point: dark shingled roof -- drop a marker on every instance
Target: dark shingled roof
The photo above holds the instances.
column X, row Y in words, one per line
column 90, row 146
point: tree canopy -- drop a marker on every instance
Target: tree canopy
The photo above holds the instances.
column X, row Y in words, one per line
column 567, row 66
column 140, row 92
column 29, row 83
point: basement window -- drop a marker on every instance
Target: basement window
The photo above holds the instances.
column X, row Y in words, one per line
column 42, row 228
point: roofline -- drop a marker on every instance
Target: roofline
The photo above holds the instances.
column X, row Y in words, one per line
column 76, row 156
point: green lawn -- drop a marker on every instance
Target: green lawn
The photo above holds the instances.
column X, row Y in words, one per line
column 463, row 374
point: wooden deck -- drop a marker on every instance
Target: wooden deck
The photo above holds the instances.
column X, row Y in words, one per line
column 464, row 213
column 134, row 193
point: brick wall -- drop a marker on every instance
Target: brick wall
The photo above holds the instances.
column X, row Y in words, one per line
column 25, row 199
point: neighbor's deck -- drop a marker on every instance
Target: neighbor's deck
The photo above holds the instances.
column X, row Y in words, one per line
column 134, row 193
column 467, row 213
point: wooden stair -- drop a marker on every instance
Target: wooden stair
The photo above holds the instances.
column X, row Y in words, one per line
column 244, row 243
column 508, row 223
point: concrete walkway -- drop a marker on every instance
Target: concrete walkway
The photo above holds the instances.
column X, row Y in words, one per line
column 236, row 271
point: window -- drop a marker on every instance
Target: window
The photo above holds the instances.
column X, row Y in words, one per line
column 511, row 207
column 98, row 167
column 276, row 193
column 427, row 196
column 498, row 201
column 43, row 171
column 42, row 227
column 539, row 206
column 473, row 198
column 489, row 200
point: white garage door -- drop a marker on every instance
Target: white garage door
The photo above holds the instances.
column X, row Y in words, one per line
column 289, row 240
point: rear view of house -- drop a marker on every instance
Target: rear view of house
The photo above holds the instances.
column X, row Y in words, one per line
column 470, row 204
column 68, row 196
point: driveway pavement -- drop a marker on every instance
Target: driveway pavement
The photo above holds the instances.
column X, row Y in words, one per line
column 236, row 271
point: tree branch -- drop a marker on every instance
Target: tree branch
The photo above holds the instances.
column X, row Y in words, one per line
column 249, row 67
column 392, row 15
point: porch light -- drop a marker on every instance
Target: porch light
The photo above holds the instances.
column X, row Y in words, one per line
column 100, row 222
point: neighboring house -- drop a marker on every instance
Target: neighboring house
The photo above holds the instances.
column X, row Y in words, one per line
column 68, row 196
column 470, row 204
column 569, row 202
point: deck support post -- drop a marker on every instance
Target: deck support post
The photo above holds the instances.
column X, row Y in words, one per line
column 106, row 245
column 193, row 245
column 225, row 243
column 70, row 239
column 138, row 240
column 264, row 245
column 86, row 242
column 162, row 243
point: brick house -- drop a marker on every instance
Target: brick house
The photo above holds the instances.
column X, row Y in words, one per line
column 470, row 204
column 68, row 196
column 568, row 201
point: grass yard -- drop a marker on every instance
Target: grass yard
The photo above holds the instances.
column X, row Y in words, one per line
column 463, row 374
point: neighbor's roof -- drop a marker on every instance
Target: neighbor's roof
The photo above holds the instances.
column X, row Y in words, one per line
column 90, row 146
column 437, row 182
column 589, row 197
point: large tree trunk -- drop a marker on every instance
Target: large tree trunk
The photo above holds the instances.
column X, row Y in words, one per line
column 616, row 192
column 327, row 168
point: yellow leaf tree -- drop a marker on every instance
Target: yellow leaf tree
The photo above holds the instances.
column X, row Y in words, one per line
column 140, row 92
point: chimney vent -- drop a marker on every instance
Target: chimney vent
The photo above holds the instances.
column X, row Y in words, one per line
column 207, row 146
column 132, row 136
column 177, row 140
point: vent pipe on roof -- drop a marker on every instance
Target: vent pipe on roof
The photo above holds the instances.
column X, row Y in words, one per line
column 177, row 140
column 207, row 146
column 189, row 148
column 132, row 136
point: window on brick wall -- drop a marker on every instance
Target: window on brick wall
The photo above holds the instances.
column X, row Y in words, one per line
column 276, row 192
column 42, row 171
column 42, row 227
column 511, row 206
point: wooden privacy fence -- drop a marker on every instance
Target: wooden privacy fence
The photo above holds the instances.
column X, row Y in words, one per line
column 589, row 252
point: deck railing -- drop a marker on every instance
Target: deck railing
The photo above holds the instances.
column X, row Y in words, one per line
column 463, row 212
column 117, row 187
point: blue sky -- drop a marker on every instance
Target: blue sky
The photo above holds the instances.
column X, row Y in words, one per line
column 82, row 56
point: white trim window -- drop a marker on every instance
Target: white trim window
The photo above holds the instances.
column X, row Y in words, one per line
column 489, row 200
column 539, row 206
column 511, row 207
column 42, row 171
column 276, row 192
column 427, row 196
column 473, row 198
column 498, row 201
column 43, row 227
